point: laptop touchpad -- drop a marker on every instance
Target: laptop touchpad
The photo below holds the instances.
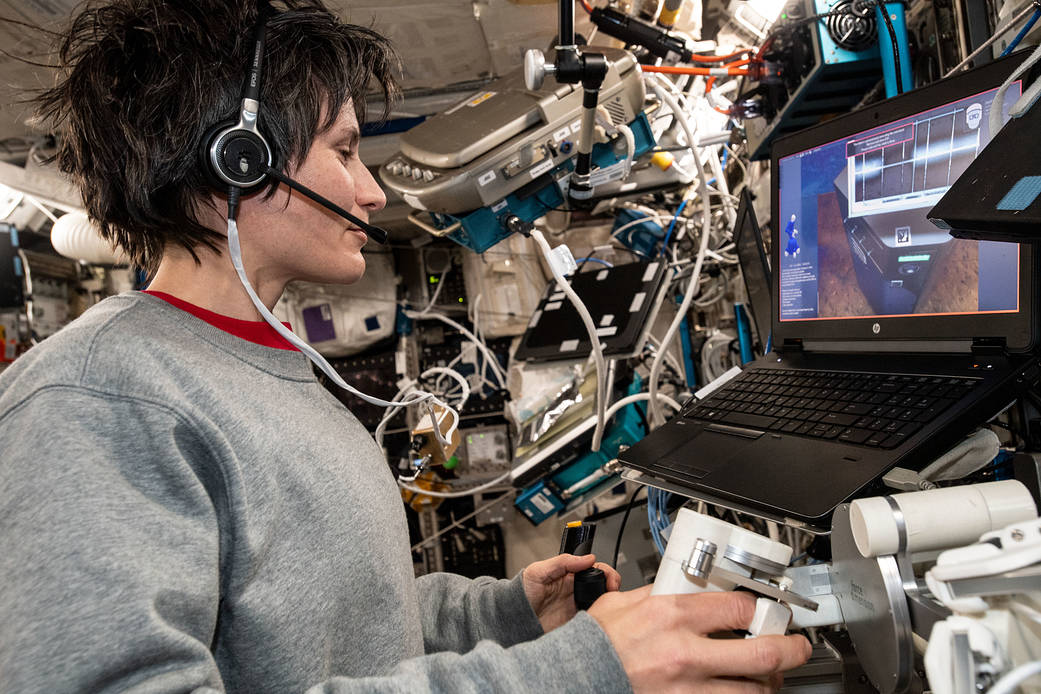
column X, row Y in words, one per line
column 705, row 453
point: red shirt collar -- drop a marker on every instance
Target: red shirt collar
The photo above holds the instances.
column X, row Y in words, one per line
column 258, row 332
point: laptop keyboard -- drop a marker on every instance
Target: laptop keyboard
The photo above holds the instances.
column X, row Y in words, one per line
column 878, row 410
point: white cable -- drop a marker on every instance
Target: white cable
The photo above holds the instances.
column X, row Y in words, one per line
column 668, row 357
column 500, row 375
column 236, row 260
column 594, row 339
column 454, row 495
column 1013, row 678
column 437, row 292
column 706, row 230
column 640, row 397
column 998, row 104
column 451, row 373
column 660, row 220
column 724, row 188
column 1025, row 611
column 598, row 474
column 630, row 146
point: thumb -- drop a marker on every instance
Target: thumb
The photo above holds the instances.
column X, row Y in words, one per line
column 574, row 564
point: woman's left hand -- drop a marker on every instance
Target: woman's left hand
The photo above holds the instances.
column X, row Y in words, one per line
column 549, row 586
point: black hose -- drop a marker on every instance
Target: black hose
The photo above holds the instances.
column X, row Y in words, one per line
column 896, row 45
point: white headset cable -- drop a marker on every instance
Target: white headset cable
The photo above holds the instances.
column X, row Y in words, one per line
column 419, row 396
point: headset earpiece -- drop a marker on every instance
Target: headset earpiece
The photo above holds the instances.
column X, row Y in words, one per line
column 236, row 154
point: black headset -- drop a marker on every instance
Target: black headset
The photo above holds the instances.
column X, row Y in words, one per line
column 237, row 158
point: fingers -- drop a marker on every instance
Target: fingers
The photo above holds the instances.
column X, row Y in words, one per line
column 758, row 657
column 557, row 567
column 573, row 564
column 614, row 579
column 709, row 613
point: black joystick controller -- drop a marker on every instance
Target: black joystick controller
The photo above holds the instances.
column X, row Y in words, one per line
column 591, row 583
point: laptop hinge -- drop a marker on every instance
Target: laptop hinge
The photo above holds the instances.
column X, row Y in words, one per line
column 988, row 346
column 790, row 344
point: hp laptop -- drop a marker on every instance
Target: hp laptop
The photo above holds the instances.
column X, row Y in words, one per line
column 890, row 343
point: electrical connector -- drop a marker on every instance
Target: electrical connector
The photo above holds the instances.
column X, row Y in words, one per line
column 905, row 480
column 764, row 71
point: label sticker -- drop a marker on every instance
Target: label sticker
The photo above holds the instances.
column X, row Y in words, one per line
column 648, row 274
column 462, row 103
column 499, row 207
column 602, row 275
column 607, row 332
column 413, row 201
column 602, row 176
column 607, row 319
column 486, row 178
column 541, row 503
column 535, row 319
column 318, row 323
column 562, row 134
column 569, row 345
column 637, row 303
column 541, row 168
column 576, row 126
column 480, row 99
column 903, row 236
column 557, row 296
column 553, row 306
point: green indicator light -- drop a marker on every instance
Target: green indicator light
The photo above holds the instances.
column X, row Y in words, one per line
column 912, row 258
column 432, row 279
column 460, row 299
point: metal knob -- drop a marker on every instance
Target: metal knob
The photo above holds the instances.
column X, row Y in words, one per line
column 536, row 69
column 701, row 559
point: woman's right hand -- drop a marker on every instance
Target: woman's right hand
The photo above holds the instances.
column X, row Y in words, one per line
column 664, row 645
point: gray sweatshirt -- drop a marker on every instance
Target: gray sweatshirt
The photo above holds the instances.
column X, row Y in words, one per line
column 182, row 510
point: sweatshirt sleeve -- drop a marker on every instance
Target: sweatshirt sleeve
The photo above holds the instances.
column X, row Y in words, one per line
column 577, row 657
column 109, row 548
column 110, row 556
column 458, row 612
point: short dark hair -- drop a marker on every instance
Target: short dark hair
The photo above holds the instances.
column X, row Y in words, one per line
column 140, row 83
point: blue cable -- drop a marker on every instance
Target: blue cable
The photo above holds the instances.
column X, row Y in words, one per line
column 672, row 225
column 591, row 259
column 1022, row 32
column 657, row 516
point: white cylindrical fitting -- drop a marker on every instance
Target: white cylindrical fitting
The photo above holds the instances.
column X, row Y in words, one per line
column 939, row 518
column 690, row 527
column 75, row 236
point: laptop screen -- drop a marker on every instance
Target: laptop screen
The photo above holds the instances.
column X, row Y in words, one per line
column 855, row 239
column 853, row 243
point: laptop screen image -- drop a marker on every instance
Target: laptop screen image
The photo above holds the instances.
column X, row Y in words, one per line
column 856, row 257
column 855, row 239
